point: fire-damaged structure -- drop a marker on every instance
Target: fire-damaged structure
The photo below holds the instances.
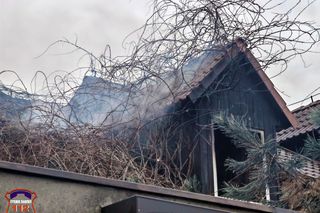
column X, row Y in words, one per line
column 227, row 80
column 232, row 83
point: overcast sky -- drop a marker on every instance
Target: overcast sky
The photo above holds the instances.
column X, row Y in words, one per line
column 28, row 27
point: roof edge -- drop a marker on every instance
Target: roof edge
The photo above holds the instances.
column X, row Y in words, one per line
column 304, row 107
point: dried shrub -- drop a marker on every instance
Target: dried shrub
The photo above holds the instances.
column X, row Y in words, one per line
column 301, row 194
column 95, row 151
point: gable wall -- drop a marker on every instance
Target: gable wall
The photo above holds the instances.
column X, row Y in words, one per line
column 239, row 92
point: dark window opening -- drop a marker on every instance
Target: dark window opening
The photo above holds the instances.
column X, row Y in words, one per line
column 225, row 149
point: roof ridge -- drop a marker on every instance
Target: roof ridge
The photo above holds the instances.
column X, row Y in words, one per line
column 310, row 105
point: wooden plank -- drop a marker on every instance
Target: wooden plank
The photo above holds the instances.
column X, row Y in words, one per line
column 268, row 83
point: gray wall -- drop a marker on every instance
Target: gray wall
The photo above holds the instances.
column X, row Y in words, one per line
column 84, row 195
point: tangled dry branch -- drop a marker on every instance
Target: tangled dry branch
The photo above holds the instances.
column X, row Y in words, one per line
column 103, row 127
column 100, row 152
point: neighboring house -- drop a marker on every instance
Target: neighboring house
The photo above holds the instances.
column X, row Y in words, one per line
column 232, row 83
column 293, row 139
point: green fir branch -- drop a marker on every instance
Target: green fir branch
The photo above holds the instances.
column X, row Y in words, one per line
column 311, row 148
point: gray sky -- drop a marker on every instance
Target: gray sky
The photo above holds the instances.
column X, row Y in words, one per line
column 28, row 27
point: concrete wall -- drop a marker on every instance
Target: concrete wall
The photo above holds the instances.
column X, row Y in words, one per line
column 59, row 191
column 61, row 196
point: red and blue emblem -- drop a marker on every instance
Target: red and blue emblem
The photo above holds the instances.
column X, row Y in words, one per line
column 20, row 200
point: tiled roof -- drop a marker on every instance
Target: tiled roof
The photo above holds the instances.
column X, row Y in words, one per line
column 201, row 73
column 304, row 122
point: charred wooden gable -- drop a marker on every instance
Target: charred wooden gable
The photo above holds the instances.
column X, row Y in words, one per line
column 236, row 88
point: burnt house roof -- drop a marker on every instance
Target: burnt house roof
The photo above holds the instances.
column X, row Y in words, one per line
column 214, row 66
column 12, row 107
column 304, row 122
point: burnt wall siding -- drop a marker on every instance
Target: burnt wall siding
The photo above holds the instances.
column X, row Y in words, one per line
column 238, row 91
column 242, row 93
